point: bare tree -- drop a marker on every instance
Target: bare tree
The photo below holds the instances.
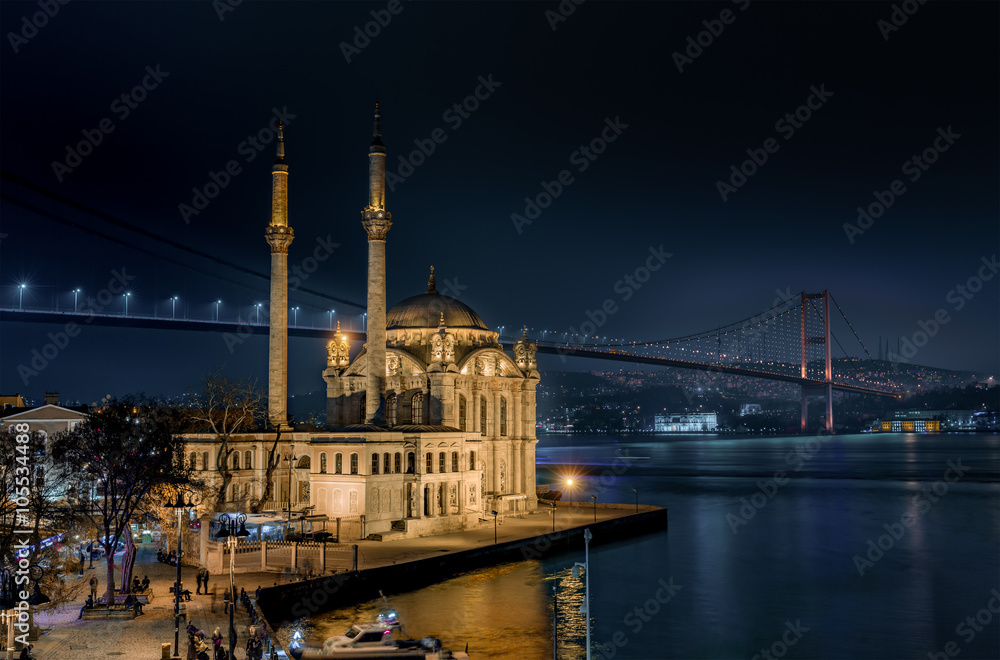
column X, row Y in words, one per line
column 126, row 447
column 226, row 408
column 273, row 461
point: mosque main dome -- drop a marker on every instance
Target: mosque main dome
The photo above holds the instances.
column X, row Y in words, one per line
column 425, row 310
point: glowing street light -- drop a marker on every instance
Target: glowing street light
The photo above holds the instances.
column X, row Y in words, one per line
column 569, row 487
column 257, row 319
column 364, row 322
column 20, row 296
column 295, row 317
column 76, row 296
column 126, row 296
column 173, row 307
column 217, row 303
column 331, row 318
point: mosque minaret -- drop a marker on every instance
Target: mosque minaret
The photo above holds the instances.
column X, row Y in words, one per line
column 376, row 221
column 279, row 236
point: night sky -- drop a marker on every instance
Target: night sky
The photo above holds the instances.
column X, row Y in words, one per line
column 870, row 96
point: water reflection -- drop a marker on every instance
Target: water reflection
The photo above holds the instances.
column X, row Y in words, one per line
column 793, row 559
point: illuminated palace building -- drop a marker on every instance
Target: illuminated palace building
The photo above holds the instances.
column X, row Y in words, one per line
column 431, row 426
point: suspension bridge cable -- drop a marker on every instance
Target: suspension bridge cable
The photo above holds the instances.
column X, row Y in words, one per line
column 174, row 244
column 852, row 328
column 707, row 334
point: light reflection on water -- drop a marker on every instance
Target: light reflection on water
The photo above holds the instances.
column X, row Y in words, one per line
column 793, row 560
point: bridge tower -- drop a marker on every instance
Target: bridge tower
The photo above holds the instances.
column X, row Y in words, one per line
column 279, row 236
column 827, row 388
column 376, row 221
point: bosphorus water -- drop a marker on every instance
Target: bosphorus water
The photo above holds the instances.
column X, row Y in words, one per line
column 854, row 546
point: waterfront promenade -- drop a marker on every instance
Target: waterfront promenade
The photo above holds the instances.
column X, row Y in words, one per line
column 141, row 638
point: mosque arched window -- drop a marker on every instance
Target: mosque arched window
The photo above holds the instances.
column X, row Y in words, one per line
column 390, row 410
column 482, row 414
column 417, row 408
column 503, row 416
column 461, row 412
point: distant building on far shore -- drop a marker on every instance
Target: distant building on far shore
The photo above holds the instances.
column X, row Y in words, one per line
column 685, row 422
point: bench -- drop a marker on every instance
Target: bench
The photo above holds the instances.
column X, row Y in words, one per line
column 108, row 612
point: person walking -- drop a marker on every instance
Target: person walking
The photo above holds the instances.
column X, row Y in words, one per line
column 225, row 602
column 93, row 587
column 197, row 578
column 216, row 643
column 205, row 579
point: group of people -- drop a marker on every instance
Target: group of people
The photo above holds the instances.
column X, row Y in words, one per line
column 198, row 645
column 202, row 578
column 166, row 557
column 132, row 600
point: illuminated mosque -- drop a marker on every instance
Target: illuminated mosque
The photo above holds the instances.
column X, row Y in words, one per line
column 430, row 428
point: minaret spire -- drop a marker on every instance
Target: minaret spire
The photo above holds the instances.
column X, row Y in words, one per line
column 279, row 236
column 281, row 144
column 376, row 221
column 377, row 128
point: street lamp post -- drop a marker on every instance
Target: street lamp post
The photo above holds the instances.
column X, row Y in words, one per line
column 173, row 307
column 76, row 297
column 494, row 527
column 178, row 506
column 20, row 297
column 553, row 518
column 331, row 318
column 585, row 608
column 295, row 316
column 569, row 487
column 364, row 322
column 291, row 458
column 257, row 318
column 126, row 297
column 217, row 303
column 229, row 533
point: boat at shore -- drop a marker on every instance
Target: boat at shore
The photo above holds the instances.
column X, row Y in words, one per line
column 383, row 639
